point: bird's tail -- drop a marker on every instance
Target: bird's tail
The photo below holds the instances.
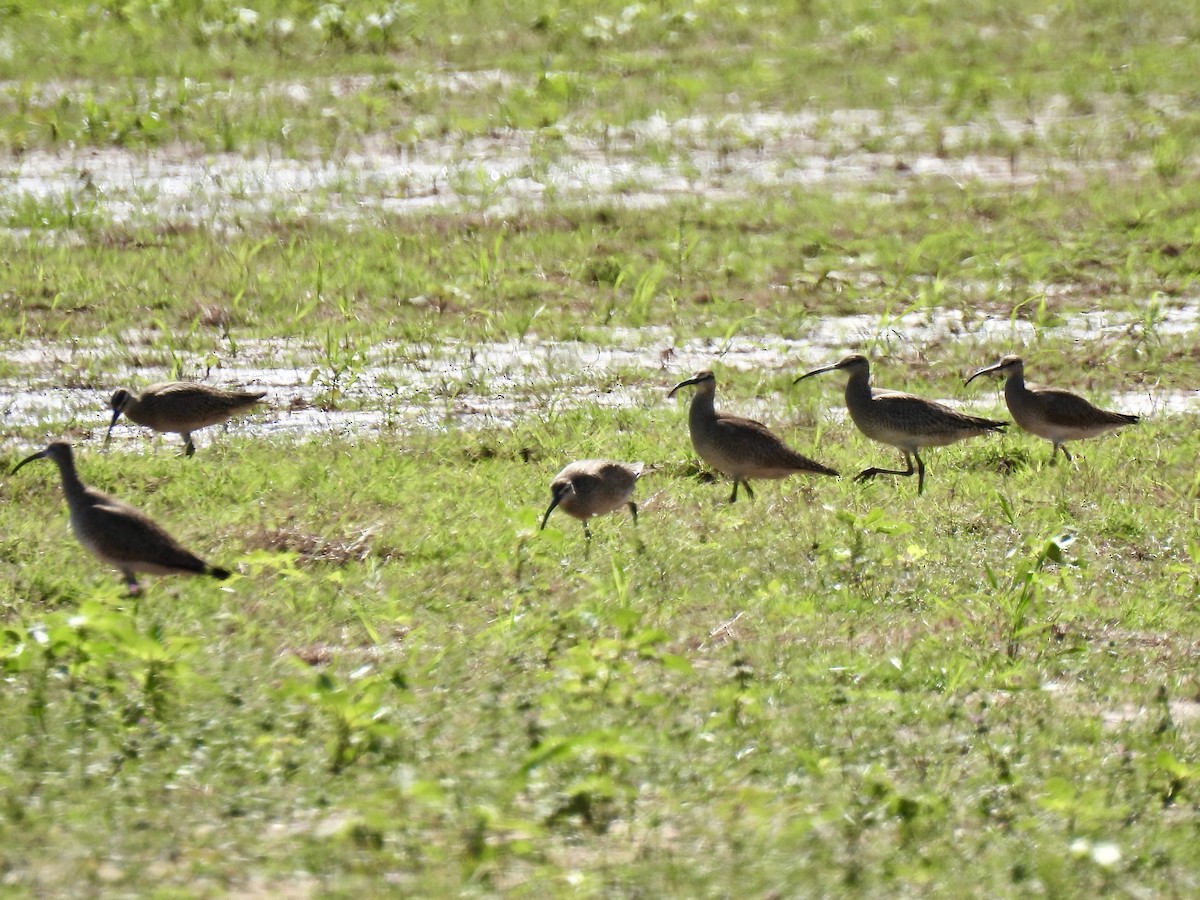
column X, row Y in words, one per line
column 817, row 469
column 989, row 424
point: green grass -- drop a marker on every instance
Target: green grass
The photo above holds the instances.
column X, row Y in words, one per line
column 837, row 687
column 781, row 260
column 407, row 688
column 133, row 74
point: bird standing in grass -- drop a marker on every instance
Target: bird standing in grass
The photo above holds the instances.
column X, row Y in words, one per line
column 1051, row 413
column 593, row 487
column 181, row 407
column 737, row 447
column 902, row 420
column 117, row 533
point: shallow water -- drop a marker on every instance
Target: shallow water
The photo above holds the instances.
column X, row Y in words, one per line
column 647, row 163
column 471, row 385
column 454, row 384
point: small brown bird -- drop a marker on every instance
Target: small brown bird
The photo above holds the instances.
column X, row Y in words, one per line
column 737, row 447
column 1051, row 413
column 905, row 421
column 117, row 533
column 593, row 487
column 181, row 407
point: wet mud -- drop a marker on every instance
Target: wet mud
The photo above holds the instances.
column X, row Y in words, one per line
column 471, row 385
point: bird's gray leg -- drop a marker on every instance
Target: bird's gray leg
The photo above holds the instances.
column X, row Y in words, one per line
column 637, row 537
column 746, row 485
column 733, row 496
column 189, row 448
column 1067, row 454
column 131, row 582
column 867, row 474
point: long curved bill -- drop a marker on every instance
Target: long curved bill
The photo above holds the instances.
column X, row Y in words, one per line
column 820, row 371
column 41, row 454
column 695, row 379
column 996, row 368
column 546, row 517
column 116, row 415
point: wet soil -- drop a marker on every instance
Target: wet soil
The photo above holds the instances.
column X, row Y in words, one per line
column 456, row 384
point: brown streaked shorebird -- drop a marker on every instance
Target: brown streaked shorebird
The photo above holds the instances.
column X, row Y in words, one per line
column 737, row 447
column 593, row 487
column 117, row 533
column 905, row 421
column 181, row 407
column 1051, row 413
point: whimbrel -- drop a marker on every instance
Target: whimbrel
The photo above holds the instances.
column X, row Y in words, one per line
column 181, row 407
column 902, row 420
column 116, row 532
column 1051, row 413
column 592, row 487
column 737, row 447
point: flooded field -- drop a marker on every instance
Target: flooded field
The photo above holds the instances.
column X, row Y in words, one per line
column 457, row 245
column 646, row 163
column 454, row 384
column 879, row 155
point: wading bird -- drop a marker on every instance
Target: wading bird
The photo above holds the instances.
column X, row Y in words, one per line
column 1051, row 413
column 902, row 420
column 117, row 533
column 593, row 487
column 737, row 447
column 181, row 407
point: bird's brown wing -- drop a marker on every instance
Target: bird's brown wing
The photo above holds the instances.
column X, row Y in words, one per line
column 125, row 536
column 908, row 411
column 620, row 475
column 1071, row 410
column 183, row 406
column 758, row 445
column 192, row 392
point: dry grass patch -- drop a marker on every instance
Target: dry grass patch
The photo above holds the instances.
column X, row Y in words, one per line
column 313, row 548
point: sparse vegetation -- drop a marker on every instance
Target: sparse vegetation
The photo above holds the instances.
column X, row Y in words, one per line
column 838, row 689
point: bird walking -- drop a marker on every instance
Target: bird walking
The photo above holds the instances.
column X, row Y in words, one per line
column 902, row 420
column 117, row 533
column 1051, row 413
column 593, row 487
column 737, row 447
column 181, row 407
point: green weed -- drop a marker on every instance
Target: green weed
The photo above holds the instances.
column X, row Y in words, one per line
column 836, row 689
